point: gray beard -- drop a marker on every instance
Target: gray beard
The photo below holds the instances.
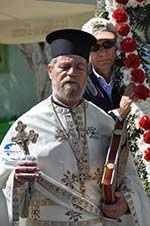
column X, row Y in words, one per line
column 68, row 94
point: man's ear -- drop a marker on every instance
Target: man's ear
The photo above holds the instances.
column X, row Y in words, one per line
column 49, row 70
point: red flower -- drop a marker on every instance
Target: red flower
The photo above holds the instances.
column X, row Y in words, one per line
column 128, row 45
column 120, row 15
column 142, row 92
column 137, row 75
column 124, row 2
column 132, row 61
column 123, row 29
column 145, row 122
column 146, row 137
column 147, row 154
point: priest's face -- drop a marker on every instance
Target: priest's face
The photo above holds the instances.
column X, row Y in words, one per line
column 69, row 75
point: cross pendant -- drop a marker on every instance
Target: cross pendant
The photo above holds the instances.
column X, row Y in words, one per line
column 23, row 138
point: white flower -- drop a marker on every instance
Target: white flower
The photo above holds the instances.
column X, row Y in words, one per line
column 134, row 3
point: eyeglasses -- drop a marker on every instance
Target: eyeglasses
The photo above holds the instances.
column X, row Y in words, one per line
column 105, row 45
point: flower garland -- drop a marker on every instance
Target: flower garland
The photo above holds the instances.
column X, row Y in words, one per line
column 133, row 71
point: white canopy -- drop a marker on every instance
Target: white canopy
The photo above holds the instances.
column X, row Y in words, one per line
column 26, row 21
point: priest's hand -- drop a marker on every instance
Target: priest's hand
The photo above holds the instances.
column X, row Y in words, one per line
column 116, row 210
column 26, row 171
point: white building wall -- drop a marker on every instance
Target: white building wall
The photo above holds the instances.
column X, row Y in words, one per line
column 17, row 87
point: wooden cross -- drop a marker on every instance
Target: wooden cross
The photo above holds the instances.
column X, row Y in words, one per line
column 23, row 138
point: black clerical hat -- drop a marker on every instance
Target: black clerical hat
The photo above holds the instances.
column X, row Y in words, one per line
column 70, row 42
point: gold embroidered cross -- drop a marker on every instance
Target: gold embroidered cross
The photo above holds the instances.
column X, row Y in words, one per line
column 23, row 138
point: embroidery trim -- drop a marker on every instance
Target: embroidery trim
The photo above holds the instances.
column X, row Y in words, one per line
column 76, row 198
column 65, row 223
column 75, row 135
column 129, row 200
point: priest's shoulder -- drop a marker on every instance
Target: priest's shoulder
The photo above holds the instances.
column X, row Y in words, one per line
column 95, row 108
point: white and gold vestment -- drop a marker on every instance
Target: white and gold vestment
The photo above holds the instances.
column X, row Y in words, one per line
column 70, row 152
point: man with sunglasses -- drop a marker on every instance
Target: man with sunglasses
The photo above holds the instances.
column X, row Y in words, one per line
column 102, row 86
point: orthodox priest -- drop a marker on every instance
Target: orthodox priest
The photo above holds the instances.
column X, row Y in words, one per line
column 52, row 158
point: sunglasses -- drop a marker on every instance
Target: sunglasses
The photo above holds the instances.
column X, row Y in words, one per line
column 105, row 45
